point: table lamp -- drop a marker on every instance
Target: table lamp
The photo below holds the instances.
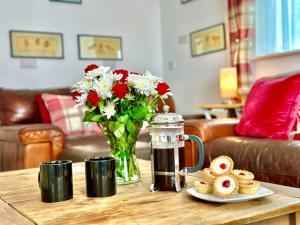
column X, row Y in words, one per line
column 228, row 84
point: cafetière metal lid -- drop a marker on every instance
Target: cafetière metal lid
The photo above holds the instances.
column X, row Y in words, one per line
column 167, row 118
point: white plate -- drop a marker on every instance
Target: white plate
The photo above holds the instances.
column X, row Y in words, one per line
column 262, row 192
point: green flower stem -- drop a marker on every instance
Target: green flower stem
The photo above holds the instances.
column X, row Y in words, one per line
column 122, row 146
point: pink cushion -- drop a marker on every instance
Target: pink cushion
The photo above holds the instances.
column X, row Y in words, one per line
column 271, row 108
column 67, row 116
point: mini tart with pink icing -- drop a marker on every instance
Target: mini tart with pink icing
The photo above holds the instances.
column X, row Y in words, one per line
column 208, row 175
column 221, row 165
column 203, row 186
column 243, row 176
column 249, row 188
column 226, row 186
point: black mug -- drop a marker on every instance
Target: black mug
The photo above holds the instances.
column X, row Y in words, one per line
column 100, row 174
column 55, row 181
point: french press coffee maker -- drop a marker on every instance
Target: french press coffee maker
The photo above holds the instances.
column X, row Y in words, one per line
column 167, row 152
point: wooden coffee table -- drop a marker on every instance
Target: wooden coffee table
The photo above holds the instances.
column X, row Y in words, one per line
column 134, row 204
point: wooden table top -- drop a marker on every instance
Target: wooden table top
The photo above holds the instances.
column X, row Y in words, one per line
column 222, row 106
column 134, row 204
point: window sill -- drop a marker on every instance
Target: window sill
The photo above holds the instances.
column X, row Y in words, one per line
column 276, row 55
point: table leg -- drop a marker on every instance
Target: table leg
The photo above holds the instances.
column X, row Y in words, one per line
column 231, row 113
column 207, row 114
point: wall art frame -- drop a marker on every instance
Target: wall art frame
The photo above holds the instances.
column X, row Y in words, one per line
column 185, row 1
column 99, row 47
column 36, row 44
column 67, row 1
column 208, row 40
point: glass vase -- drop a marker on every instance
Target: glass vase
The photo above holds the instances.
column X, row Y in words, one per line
column 122, row 141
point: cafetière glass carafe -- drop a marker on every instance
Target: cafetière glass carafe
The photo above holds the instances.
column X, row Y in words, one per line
column 167, row 152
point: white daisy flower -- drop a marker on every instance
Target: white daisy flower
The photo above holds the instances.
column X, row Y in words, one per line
column 142, row 83
column 84, row 85
column 152, row 78
column 81, row 100
column 109, row 110
column 104, row 87
column 97, row 72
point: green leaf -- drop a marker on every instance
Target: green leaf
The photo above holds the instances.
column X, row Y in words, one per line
column 131, row 127
column 96, row 118
column 123, row 119
column 139, row 112
column 88, row 116
column 119, row 129
column 111, row 126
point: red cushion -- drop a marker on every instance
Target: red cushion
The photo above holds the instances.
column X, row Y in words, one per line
column 296, row 128
column 271, row 108
column 42, row 108
column 67, row 116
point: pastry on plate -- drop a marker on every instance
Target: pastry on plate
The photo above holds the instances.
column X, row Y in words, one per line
column 208, row 175
column 226, row 186
column 243, row 176
column 221, row 165
column 249, row 188
column 203, row 186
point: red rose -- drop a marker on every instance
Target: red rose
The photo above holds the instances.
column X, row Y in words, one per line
column 162, row 88
column 93, row 98
column 124, row 73
column 120, row 90
column 75, row 95
column 90, row 68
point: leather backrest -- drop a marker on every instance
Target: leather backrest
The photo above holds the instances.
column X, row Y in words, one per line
column 169, row 101
column 20, row 107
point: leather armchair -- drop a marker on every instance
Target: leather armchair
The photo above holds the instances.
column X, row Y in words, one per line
column 23, row 146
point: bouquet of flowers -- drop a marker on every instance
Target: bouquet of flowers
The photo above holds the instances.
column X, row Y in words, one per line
column 120, row 102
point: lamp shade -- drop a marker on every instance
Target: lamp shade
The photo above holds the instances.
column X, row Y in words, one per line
column 228, row 82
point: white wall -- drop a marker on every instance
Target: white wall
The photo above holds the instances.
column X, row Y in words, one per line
column 278, row 65
column 137, row 21
column 193, row 80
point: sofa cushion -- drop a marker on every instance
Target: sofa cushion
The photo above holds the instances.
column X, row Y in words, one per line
column 18, row 106
column 296, row 128
column 273, row 161
column 271, row 108
column 67, row 116
column 44, row 113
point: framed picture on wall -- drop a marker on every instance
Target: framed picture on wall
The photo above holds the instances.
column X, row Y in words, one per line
column 185, row 1
column 67, row 1
column 34, row 44
column 95, row 47
column 208, row 40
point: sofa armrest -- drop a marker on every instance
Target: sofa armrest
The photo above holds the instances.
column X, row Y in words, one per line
column 210, row 129
column 30, row 144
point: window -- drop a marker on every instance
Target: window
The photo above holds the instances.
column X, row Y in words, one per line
column 277, row 26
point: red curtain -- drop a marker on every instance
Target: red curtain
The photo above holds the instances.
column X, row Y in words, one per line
column 241, row 28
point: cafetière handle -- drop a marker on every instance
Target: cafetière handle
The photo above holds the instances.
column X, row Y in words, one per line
column 200, row 150
column 39, row 179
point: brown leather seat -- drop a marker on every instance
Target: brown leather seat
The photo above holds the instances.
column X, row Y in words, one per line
column 81, row 147
column 271, row 161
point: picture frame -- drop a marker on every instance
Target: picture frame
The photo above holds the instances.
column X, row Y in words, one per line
column 208, row 40
column 67, row 1
column 185, row 1
column 99, row 47
column 36, row 44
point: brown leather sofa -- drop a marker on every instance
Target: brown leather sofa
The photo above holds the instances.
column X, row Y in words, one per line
column 25, row 141
column 273, row 161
